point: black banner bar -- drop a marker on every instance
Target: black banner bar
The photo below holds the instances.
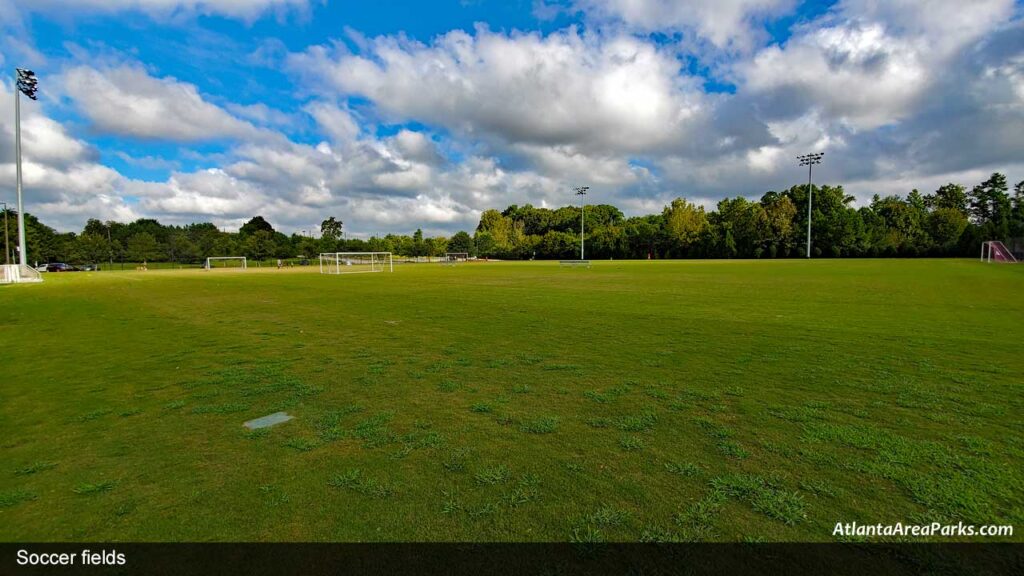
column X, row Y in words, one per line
column 509, row 559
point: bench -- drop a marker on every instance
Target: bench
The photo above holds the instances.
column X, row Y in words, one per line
column 574, row 263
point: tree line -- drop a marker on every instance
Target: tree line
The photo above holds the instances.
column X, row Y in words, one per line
column 951, row 221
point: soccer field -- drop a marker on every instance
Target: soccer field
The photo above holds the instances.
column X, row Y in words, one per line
column 710, row 400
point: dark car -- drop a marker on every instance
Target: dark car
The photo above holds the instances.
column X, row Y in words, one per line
column 60, row 267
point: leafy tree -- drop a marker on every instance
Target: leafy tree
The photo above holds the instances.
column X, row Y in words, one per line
column 256, row 224
column 945, row 225
column 331, row 228
column 462, row 242
column 259, row 245
column 485, row 244
column 93, row 247
column 143, row 247
column 990, row 203
column 180, row 248
column 948, row 196
column 419, row 246
column 685, row 224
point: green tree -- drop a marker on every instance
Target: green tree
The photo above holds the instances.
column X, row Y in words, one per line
column 180, row 248
column 419, row 246
column 485, row 244
column 143, row 247
column 462, row 242
column 259, row 245
column 945, row 225
column 948, row 196
column 256, row 224
column 685, row 224
column 331, row 228
column 93, row 248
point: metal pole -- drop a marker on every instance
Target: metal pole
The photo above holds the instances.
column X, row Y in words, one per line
column 22, row 248
column 7, row 248
column 582, row 193
column 583, row 207
column 809, row 200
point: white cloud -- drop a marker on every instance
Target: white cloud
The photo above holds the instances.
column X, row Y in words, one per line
column 868, row 63
column 724, row 23
column 125, row 100
column 619, row 93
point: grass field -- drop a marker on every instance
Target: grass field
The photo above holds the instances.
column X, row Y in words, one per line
column 514, row 401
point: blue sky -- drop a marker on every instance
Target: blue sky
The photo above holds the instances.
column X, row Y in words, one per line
column 393, row 115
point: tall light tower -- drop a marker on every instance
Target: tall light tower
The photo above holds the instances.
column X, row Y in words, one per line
column 809, row 160
column 27, row 84
column 7, row 249
column 582, row 192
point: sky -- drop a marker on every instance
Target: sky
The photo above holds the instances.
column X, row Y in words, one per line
column 394, row 115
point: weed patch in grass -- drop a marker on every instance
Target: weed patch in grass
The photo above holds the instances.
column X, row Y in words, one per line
column 540, row 425
column 35, row 468
column 631, row 443
column 302, row 444
column 765, row 495
column 491, row 475
column 732, row 449
column 232, row 408
column 354, row 480
column 682, row 468
column 97, row 488
column 11, row 498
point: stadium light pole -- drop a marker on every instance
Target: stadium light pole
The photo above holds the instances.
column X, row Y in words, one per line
column 27, row 84
column 582, row 192
column 7, row 248
column 809, row 160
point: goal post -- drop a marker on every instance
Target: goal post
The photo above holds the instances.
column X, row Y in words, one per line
column 455, row 257
column 225, row 262
column 355, row 262
column 996, row 251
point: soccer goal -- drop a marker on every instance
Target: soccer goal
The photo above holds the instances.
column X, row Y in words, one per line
column 237, row 262
column 996, row 251
column 455, row 257
column 355, row 262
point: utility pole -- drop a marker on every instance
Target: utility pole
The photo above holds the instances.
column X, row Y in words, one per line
column 26, row 83
column 809, row 160
column 582, row 193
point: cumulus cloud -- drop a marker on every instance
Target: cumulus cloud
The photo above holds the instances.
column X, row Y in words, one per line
column 867, row 63
column 723, row 23
column 125, row 100
column 619, row 93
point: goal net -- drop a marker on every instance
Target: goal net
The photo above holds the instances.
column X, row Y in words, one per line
column 354, row 262
column 996, row 251
column 237, row 262
column 16, row 274
column 455, row 257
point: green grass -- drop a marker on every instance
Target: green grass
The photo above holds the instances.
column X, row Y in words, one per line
column 654, row 401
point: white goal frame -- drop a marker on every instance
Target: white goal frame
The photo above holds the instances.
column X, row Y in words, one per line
column 347, row 262
column 207, row 265
column 996, row 251
column 455, row 257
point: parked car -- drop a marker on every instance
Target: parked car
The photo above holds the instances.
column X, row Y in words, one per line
column 60, row 267
column 89, row 267
column 41, row 267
